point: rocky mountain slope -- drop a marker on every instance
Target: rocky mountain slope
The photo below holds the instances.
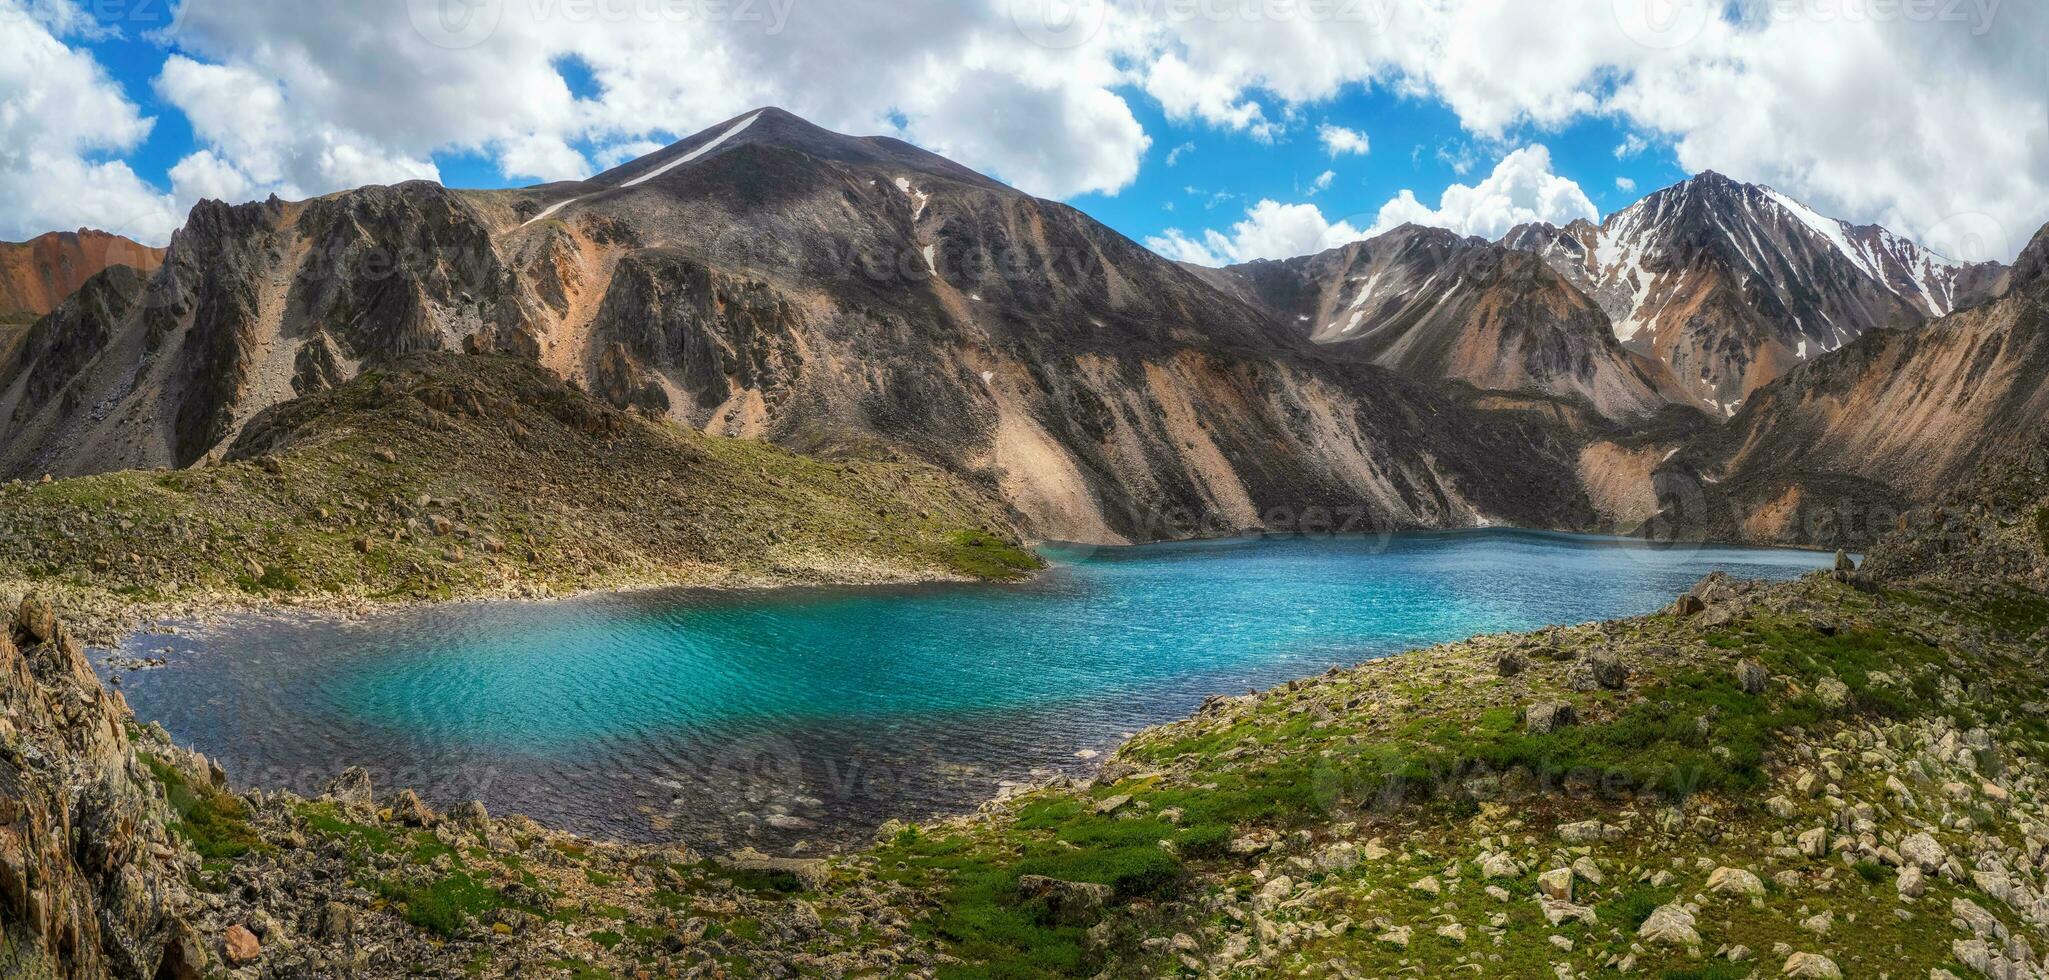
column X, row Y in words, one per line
column 1840, row 450
column 438, row 476
column 771, row 280
column 1732, row 285
column 1435, row 306
column 1839, row 776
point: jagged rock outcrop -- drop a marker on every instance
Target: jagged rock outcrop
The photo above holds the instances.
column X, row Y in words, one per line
column 59, row 345
column 91, row 883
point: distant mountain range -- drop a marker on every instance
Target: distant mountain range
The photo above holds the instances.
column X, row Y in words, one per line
column 1731, row 285
column 769, row 279
column 38, row 274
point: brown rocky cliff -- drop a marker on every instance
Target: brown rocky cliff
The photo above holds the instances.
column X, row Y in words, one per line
column 38, row 274
column 90, row 884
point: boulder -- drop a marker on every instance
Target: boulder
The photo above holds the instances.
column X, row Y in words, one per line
column 1813, row 966
column 1511, row 663
column 1609, row 670
column 1688, row 605
column 240, row 946
column 407, row 809
column 471, row 816
column 36, row 620
column 1671, row 925
column 1923, row 851
column 1584, row 832
column 1071, row 903
column 352, row 786
column 1549, row 716
column 1556, row 883
column 1832, row 693
column 1752, row 677
column 1499, row 866
column 1734, row 881
column 1112, row 804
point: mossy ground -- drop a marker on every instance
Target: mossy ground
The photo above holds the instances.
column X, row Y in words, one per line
column 1430, row 765
column 214, row 822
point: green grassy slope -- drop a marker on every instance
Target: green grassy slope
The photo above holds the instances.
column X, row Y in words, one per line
column 446, row 476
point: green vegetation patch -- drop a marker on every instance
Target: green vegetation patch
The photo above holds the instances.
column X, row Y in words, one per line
column 445, row 905
column 979, row 554
column 214, row 822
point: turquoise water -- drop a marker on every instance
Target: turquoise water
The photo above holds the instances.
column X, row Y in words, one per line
column 769, row 717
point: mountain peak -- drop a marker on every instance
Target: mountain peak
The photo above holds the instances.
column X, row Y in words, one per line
column 2032, row 268
column 779, row 129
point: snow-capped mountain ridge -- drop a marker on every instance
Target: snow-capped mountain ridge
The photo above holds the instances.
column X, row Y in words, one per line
column 1731, row 284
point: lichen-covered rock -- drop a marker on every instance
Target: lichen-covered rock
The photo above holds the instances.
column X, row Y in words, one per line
column 1549, row 716
column 1669, row 924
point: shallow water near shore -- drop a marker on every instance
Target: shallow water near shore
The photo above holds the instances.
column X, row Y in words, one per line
column 727, row 718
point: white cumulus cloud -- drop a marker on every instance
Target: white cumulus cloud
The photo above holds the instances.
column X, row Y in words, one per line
column 1339, row 141
column 1521, row 189
column 63, row 125
column 1270, row 230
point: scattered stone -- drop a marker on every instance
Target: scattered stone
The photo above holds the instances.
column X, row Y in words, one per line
column 1511, row 663
column 1427, row 886
column 1923, row 852
column 1556, row 883
column 1608, row 670
column 1670, row 924
column 352, row 786
column 1549, row 716
column 1073, row 903
column 240, row 946
column 1734, row 881
column 1752, row 677
column 1112, row 804
column 1812, row 965
column 1831, row 693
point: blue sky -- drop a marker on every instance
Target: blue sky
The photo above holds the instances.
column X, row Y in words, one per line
column 1416, row 143
column 1937, row 128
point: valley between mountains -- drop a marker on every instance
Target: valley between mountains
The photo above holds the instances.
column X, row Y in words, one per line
column 772, row 354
